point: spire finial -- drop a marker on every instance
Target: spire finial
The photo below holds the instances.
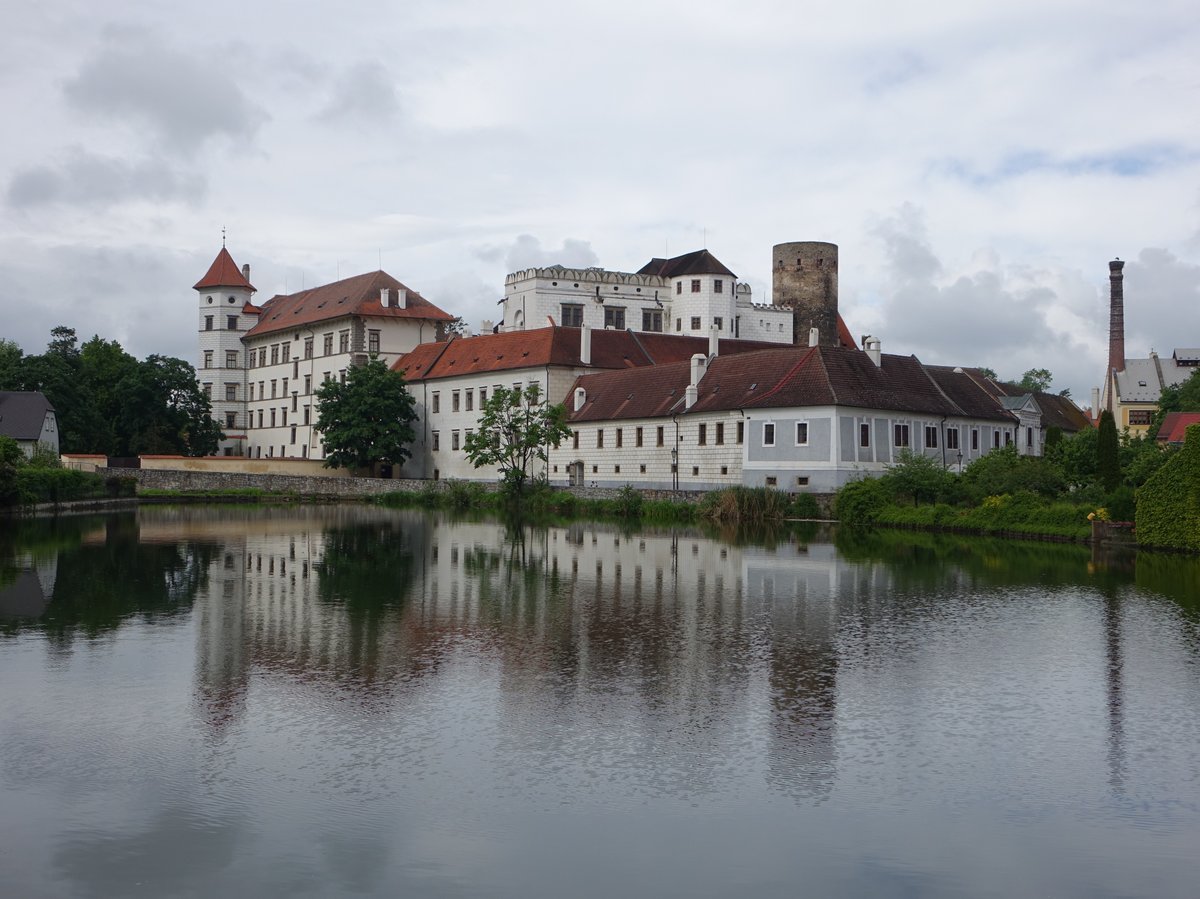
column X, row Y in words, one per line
column 222, row 237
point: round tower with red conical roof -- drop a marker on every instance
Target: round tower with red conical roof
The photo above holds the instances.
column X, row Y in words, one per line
column 223, row 295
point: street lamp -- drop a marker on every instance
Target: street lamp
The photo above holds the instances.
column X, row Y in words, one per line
column 674, row 469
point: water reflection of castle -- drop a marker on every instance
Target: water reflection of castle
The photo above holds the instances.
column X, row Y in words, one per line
column 693, row 636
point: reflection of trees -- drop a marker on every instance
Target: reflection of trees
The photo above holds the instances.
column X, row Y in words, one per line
column 366, row 567
column 100, row 585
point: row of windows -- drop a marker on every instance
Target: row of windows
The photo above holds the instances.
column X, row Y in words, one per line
column 231, row 323
column 231, row 359
column 281, row 353
column 464, row 400
column 718, row 286
column 283, row 453
column 614, row 317
column 718, row 434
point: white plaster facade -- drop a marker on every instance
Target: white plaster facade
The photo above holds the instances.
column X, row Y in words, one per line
column 221, row 363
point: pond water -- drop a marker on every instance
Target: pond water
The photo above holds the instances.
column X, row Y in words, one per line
column 355, row 701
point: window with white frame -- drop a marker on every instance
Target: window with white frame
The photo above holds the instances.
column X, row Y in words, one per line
column 801, row 433
column 572, row 315
column 952, row 438
column 614, row 317
column 900, row 435
column 931, row 436
column 768, row 433
column 864, row 434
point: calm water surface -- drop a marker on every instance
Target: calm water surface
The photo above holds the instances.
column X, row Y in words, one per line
column 349, row 701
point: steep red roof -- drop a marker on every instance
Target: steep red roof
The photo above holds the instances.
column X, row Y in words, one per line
column 773, row 378
column 555, row 345
column 350, row 296
column 1175, row 425
column 224, row 272
column 968, row 392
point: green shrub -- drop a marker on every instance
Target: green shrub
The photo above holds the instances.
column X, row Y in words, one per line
column 57, row 485
column 804, row 505
column 1168, row 504
column 744, row 505
column 629, row 502
column 860, row 502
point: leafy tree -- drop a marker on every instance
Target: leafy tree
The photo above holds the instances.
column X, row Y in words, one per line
column 515, row 428
column 1108, row 466
column 1036, row 380
column 11, row 356
column 164, row 410
column 988, row 372
column 918, row 476
column 367, row 420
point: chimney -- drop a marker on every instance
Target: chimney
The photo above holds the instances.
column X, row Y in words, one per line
column 383, row 297
column 580, row 398
column 814, row 336
column 699, row 365
column 714, row 342
column 246, row 271
column 690, row 396
column 1116, row 316
column 874, row 349
column 585, row 345
column 486, row 326
column 401, row 298
column 1095, row 410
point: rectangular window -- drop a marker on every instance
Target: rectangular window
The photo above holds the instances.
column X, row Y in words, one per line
column 1140, row 416
column 718, row 323
column 231, row 393
column 678, row 287
column 470, row 400
column 772, row 480
column 702, row 439
column 275, row 354
column 574, row 440
column 1008, row 438
column 274, row 389
column 482, row 396
column 718, row 285
column 208, row 391
column 437, row 402
column 208, row 323
column 801, row 433
column 231, row 359
column 307, row 384
column 251, row 391
column 659, row 436
column 620, row 437
column 695, row 285
column 975, row 438
column 327, row 344
column 900, row 435
column 284, row 392
column 231, row 419
column 996, row 439
column 437, row 441
column 454, row 401
column 308, row 347
column 208, row 358
column 864, row 435
column 231, row 323
column 801, row 481
column 272, row 418
column 287, row 352
column 952, row 438
column 931, row 436
column 344, row 341
column 614, row 317
column 637, row 437
column 768, row 433
column 651, row 320
column 1029, row 437
column 293, row 440
column 308, row 415
column 454, row 440
column 599, row 438
column 372, row 341
column 572, row 315
column 695, row 323
column 741, row 432
column 720, row 433
column 679, row 324
column 260, row 418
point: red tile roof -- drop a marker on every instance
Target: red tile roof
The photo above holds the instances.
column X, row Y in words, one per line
column 554, row 346
column 350, row 296
column 774, row 378
column 1175, row 425
column 223, row 273
column 968, row 391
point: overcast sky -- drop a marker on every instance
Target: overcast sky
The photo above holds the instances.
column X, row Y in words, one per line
column 977, row 163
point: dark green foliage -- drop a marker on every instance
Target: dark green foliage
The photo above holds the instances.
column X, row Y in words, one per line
column 1076, row 458
column 804, row 505
column 1120, row 504
column 366, row 421
column 58, row 485
column 1036, row 380
column 1005, row 471
column 1168, row 507
column 1021, row 513
column 1054, row 437
column 861, row 502
column 629, row 502
column 744, row 505
column 1108, row 465
column 918, row 477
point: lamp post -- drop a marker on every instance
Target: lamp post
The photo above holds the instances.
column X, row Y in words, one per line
column 675, row 469
column 960, row 461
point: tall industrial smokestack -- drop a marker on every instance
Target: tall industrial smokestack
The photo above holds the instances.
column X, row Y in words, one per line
column 1116, row 316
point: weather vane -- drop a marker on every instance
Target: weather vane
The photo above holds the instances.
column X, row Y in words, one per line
column 222, row 237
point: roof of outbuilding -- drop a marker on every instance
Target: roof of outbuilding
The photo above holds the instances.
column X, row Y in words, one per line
column 698, row 262
column 1142, row 380
column 1174, row 426
column 223, row 273
column 22, row 413
column 358, row 295
column 773, row 378
column 553, row 345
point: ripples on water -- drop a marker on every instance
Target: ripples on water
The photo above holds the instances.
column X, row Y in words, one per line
column 351, row 701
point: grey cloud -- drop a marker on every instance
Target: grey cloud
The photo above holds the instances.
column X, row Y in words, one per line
column 364, row 92
column 85, row 179
column 185, row 100
column 1162, row 303
column 527, row 252
column 905, row 241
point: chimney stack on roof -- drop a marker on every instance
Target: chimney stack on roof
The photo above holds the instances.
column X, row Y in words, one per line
column 401, row 298
column 814, row 336
column 585, row 345
column 580, row 398
column 487, row 326
column 246, row 271
column 1116, row 316
column 714, row 342
column 699, row 366
column 874, row 349
column 383, row 297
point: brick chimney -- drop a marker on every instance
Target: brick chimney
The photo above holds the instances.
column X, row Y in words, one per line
column 1116, row 316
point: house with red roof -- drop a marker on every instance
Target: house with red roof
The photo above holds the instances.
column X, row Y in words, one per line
column 794, row 418
column 1174, row 427
column 261, row 365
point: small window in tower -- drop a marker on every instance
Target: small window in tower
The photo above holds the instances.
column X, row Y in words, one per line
column 695, row 285
column 695, row 323
column 208, row 323
column 231, row 323
column 678, row 287
column 718, row 285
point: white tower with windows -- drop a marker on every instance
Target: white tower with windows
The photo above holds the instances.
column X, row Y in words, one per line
column 225, row 314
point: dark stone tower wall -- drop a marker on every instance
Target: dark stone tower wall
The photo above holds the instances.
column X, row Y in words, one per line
column 1116, row 316
column 805, row 280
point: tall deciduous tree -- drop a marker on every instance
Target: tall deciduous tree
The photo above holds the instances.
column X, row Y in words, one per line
column 516, row 427
column 367, row 420
column 1108, row 446
column 1036, row 380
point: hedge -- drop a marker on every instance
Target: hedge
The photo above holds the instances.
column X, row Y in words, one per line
column 1168, row 504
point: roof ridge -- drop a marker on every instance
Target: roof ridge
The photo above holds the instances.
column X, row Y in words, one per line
column 637, row 341
column 938, row 387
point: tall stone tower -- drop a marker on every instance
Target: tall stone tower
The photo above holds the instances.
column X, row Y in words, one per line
column 223, row 294
column 805, row 280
